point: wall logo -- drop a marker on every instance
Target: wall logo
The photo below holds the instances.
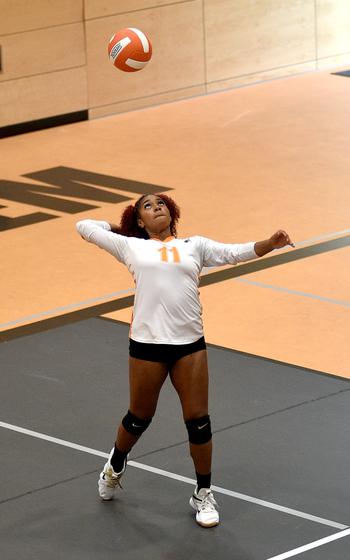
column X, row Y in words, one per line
column 56, row 188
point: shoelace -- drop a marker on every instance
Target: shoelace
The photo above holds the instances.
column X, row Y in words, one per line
column 112, row 481
column 208, row 503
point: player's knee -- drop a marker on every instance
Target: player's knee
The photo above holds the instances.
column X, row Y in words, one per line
column 199, row 430
column 134, row 425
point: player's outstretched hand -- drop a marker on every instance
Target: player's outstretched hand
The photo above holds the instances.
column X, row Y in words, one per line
column 280, row 239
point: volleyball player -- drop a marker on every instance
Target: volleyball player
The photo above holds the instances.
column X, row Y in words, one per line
column 166, row 334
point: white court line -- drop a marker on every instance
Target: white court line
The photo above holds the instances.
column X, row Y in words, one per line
column 174, row 476
column 235, row 119
column 310, row 546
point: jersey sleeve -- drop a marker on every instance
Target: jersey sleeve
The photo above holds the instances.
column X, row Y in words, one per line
column 99, row 233
column 217, row 254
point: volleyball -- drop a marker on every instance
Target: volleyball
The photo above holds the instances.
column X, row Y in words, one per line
column 129, row 49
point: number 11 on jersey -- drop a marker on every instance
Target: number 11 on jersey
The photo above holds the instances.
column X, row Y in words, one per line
column 164, row 254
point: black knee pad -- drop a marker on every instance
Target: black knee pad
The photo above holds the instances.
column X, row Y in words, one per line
column 134, row 425
column 199, row 429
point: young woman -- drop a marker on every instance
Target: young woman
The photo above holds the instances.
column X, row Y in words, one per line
column 166, row 334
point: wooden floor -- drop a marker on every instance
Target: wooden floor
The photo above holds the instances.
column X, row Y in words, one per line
column 240, row 164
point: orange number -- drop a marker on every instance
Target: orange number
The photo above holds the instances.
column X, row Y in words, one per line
column 164, row 254
column 176, row 255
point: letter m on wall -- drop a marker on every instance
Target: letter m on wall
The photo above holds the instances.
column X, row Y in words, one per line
column 56, row 188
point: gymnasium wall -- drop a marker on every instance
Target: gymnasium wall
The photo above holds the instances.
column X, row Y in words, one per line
column 54, row 61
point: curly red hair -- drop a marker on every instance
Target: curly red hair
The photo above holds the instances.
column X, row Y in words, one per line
column 128, row 222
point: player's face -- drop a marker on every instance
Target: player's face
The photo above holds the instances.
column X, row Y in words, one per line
column 154, row 215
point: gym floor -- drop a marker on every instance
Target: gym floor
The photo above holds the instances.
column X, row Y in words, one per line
column 240, row 164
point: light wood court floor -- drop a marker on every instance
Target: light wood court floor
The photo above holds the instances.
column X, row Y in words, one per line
column 241, row 164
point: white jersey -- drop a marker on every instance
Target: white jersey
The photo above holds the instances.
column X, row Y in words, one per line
column 167, row 309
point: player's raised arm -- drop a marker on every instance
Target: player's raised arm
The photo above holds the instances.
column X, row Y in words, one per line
column 100, row 233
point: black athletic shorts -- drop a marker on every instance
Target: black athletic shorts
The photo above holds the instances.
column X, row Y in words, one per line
column 167, row 353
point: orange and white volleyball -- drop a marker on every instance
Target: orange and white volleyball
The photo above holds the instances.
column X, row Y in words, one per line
column 129, row 49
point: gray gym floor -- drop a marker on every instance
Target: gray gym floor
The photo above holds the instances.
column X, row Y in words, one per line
column 281, row 457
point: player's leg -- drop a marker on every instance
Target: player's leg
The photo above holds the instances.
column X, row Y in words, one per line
column 189, row 376
column 145, row 382
column 146, row 379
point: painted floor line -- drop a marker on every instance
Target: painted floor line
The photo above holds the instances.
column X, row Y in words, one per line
column 174, row 476
column 323, row 237
column 87, row 302
column 293, row 292
column 107, row 297
column 310, row 546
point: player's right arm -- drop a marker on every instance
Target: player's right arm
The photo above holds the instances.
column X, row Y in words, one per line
column 99, row 232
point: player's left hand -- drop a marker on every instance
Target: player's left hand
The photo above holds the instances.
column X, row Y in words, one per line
column 280, row 239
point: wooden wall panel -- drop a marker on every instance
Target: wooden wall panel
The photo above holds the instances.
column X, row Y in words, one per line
column 171, row 69
column 199, row 46
column 23, row 15
column 102, row 8
column 245, row 37
column 334, row 62
column 46, row 95
column 333, row 27
column 47, row 50
column 258, row 77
